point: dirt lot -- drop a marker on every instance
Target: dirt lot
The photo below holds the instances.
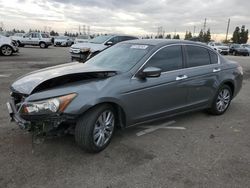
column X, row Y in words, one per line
column 209, row 151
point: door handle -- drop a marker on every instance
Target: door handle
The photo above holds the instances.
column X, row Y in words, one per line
column 216, row 70
column 181, row 77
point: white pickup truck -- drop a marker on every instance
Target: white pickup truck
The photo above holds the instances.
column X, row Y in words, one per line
column 35, row 39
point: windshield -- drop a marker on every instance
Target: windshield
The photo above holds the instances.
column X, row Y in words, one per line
column 100, row 39
column 218, row 44
column 121, row 57
column 236, row 45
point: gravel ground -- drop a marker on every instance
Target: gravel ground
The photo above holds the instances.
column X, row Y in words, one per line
column 212, row 151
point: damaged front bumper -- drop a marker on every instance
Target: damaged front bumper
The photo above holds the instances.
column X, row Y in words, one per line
column 38, row 123
column 23, row 124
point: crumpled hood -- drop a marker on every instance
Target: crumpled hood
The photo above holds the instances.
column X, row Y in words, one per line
column 92, row 46
column 27, row 83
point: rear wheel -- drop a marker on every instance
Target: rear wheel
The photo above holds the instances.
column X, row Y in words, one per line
column 95, row 129
column 6, row 50
column 221, row 101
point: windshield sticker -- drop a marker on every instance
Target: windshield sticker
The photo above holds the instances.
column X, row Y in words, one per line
column 143, row 47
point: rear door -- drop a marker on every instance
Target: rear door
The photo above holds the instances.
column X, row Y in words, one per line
column 202, row 70
column 35, row 38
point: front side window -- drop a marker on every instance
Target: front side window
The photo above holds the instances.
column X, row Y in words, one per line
column 167, row 59
column 197, row 56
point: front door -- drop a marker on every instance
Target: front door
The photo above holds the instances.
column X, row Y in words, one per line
column 151, row 97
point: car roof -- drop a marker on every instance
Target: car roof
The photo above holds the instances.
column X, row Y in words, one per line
column 162, row 42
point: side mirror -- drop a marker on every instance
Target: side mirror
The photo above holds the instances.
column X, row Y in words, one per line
column 23, row 36
column 150, row 72
column 109, row 43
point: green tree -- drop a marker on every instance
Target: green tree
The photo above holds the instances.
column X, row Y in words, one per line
column 168, row 36
column 201, row 36
column 188, row 35
column 207, row 36
column 243, row 35
column 176, row 36
column 236, row 35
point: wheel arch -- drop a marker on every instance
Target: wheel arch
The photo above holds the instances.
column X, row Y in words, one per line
column 229, row 83
column 119, row 111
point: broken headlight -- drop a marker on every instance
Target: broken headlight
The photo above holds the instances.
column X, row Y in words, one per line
column 84, row 49
column 52, row 105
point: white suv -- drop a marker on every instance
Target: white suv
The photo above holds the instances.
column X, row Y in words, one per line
column 7, row 47
column 35, row 39
column 219, row 47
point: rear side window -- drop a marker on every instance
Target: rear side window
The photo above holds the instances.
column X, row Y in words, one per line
column 213, row 57
column 197, row 56
column 168, row 59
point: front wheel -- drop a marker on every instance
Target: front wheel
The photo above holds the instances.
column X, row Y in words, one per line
column 6, row 50
column 221, row 101
column 95, row 129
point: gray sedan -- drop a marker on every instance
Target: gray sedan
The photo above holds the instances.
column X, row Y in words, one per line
column 130, row 83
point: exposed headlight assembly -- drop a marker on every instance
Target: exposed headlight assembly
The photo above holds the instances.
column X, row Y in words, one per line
column 84, row 49
column 48, row 106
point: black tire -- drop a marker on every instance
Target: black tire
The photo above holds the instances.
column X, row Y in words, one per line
column 6, row 50
column 214, row 109
column 42, row 45
column 84, row 131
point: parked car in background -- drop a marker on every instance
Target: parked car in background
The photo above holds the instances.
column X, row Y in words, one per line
column 246, row 46
column 82, row 51
column 36, row 39
column 219, row 47
column 17, row 37
column 81, row 39
column 130, row 83
column 63, row 41
column 237, row 49
column 7, row 46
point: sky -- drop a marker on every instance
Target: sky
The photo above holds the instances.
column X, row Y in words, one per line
column 136, row 17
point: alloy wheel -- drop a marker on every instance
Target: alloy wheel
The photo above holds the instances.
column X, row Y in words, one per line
column 223, row 100
column 104, row 128
column 6, row 50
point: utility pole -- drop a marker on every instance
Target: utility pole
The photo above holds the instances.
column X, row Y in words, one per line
column 194, row 31
column 205, row 25
column 228, row 24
